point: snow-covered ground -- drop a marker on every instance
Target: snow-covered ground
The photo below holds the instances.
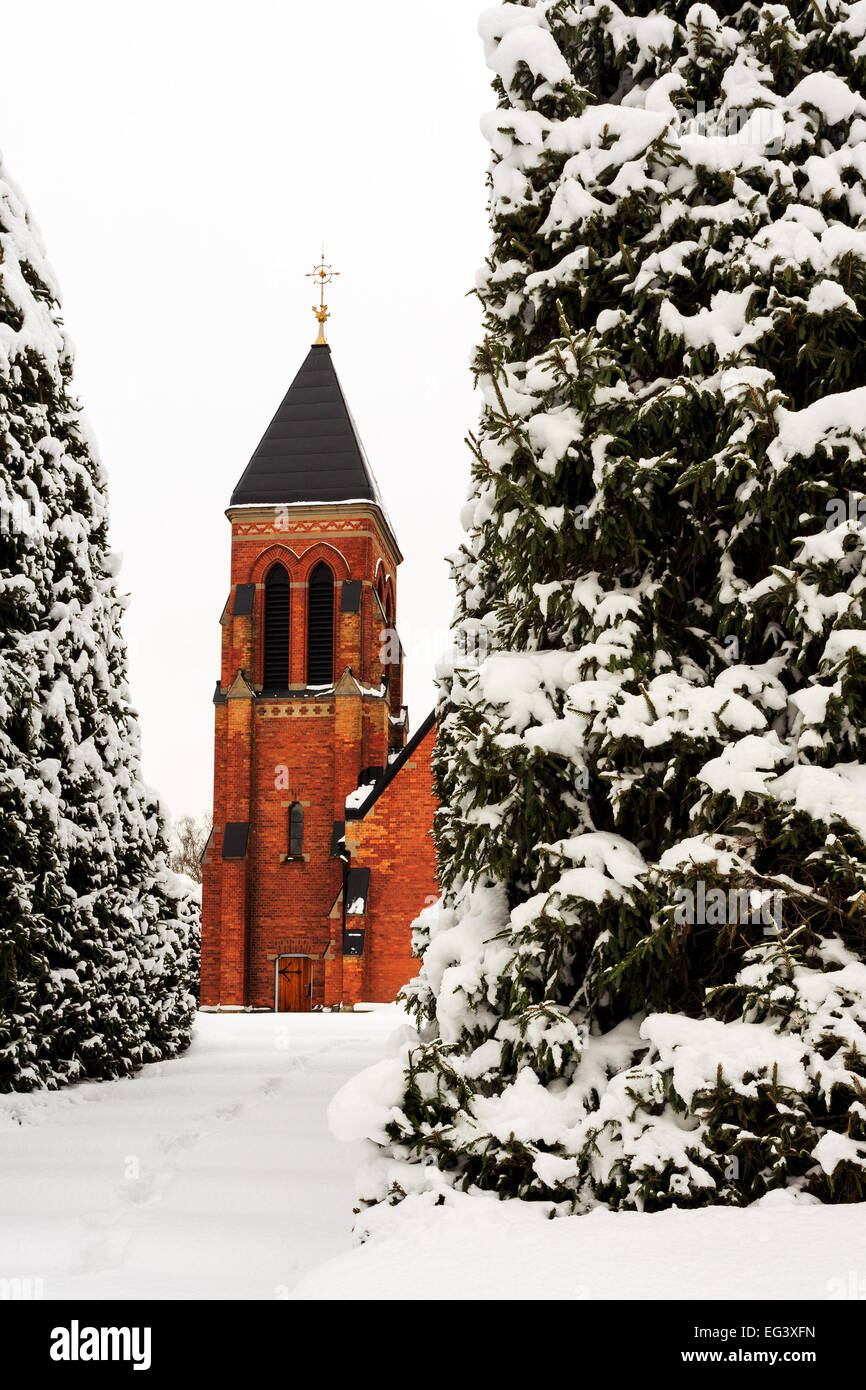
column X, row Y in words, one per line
column 216, row 1176
column 213, row 1176
column 476, row 1248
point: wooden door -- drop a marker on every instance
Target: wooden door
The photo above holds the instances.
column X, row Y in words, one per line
column 293, row 985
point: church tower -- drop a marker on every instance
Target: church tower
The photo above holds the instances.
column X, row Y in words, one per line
column 308, row 714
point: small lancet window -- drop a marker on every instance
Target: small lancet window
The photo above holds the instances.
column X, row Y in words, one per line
column 320, row 626
column 380, row 595
column 296, row 831
column 278, row 593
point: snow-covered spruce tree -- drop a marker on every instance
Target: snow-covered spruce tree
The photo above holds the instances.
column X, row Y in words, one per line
column 188, row 911
column 94, row 927
column 645, row 983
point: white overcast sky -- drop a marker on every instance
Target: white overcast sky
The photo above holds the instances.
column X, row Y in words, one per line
column 184, row 161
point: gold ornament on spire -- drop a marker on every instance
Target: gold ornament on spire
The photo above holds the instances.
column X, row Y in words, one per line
column 324, row 273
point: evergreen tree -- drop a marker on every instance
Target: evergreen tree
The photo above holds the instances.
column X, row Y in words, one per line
column 94, row 926
column 645, row 984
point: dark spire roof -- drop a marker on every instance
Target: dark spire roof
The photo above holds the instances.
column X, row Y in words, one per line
column 310, row 451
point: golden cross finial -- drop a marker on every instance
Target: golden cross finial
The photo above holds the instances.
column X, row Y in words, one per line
column 324, row 273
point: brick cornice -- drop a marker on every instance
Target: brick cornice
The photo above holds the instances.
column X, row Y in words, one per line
column 323, row 520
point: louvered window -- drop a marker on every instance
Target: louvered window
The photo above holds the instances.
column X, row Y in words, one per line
column 296, row 831
column 320, row 627
column 277, row 628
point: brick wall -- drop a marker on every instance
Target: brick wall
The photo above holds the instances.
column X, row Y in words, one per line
column 395, row 841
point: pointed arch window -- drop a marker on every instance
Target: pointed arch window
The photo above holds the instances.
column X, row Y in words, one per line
column 296, row 830
column 277, row 629
column 380, row 595
column 320, row 626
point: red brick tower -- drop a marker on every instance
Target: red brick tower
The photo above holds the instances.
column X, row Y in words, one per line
column 308, row 712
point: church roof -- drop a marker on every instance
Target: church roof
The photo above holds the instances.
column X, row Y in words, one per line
column 391, row 771
column 310, row 451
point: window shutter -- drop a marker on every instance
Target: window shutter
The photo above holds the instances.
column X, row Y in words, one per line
column 320, row 627
column 277, row 629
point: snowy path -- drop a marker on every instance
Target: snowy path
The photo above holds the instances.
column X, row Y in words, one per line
column 213, row 1176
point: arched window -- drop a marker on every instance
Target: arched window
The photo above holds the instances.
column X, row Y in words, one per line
column 296, row 830
column 380, row 593
column 320, row 627
column 277, row 628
